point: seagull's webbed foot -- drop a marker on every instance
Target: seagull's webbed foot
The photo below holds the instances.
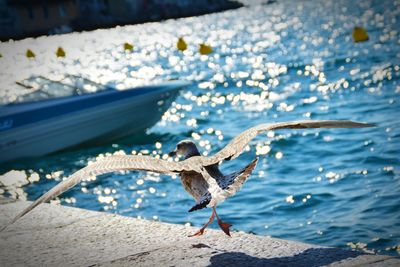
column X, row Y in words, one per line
column 224, row 226
column 201, row 231
column 198, row 233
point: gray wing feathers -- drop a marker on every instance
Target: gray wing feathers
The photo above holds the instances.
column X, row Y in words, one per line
column 231, row 184
column 312, row 124
column 106, row 165
column 55, row 191
column 224, row 188
column 239, row 143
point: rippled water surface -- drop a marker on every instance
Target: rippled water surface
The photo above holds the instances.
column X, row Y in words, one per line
column 277, row 62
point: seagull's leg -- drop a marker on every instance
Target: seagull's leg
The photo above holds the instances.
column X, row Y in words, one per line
column 201, row 231
column 224, row 226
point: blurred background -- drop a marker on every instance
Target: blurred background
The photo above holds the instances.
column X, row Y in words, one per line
column 25, row 18
column 261, row 62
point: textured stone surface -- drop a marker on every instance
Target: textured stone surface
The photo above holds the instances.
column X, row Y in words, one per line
column 60, row 236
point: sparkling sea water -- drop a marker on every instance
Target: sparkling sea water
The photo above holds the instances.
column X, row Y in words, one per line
column 288, row 60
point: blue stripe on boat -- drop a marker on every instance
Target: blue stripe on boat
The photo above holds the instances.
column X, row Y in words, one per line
column 20, row 114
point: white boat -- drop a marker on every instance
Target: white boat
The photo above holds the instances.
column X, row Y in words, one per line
column 60, row 114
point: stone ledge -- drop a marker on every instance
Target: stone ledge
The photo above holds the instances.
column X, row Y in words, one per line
column 55, row 235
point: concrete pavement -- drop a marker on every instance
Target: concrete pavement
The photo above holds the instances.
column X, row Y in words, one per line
column 54, row 235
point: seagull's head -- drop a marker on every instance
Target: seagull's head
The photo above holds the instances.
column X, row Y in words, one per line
column 186, row 149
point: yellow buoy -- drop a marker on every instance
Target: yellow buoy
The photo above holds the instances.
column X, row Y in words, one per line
column 128, row 46
column 60, row 52
column 205, row 49
column 30, row 54
column 181, row 44
column 360, row 34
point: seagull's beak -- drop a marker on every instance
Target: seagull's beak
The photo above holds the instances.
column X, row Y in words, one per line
column 172, row 154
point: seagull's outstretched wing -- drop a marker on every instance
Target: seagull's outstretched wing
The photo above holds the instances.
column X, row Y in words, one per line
column 106, row 165
column 239, row 143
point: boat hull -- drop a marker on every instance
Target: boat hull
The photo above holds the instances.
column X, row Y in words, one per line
column 103, row 122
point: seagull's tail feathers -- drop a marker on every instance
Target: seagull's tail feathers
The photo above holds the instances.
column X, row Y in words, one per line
column 204, row 201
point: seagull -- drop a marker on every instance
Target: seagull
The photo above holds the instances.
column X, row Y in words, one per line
column 200, row 175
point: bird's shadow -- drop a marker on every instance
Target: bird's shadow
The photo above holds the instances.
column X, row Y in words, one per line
column 309, row 257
